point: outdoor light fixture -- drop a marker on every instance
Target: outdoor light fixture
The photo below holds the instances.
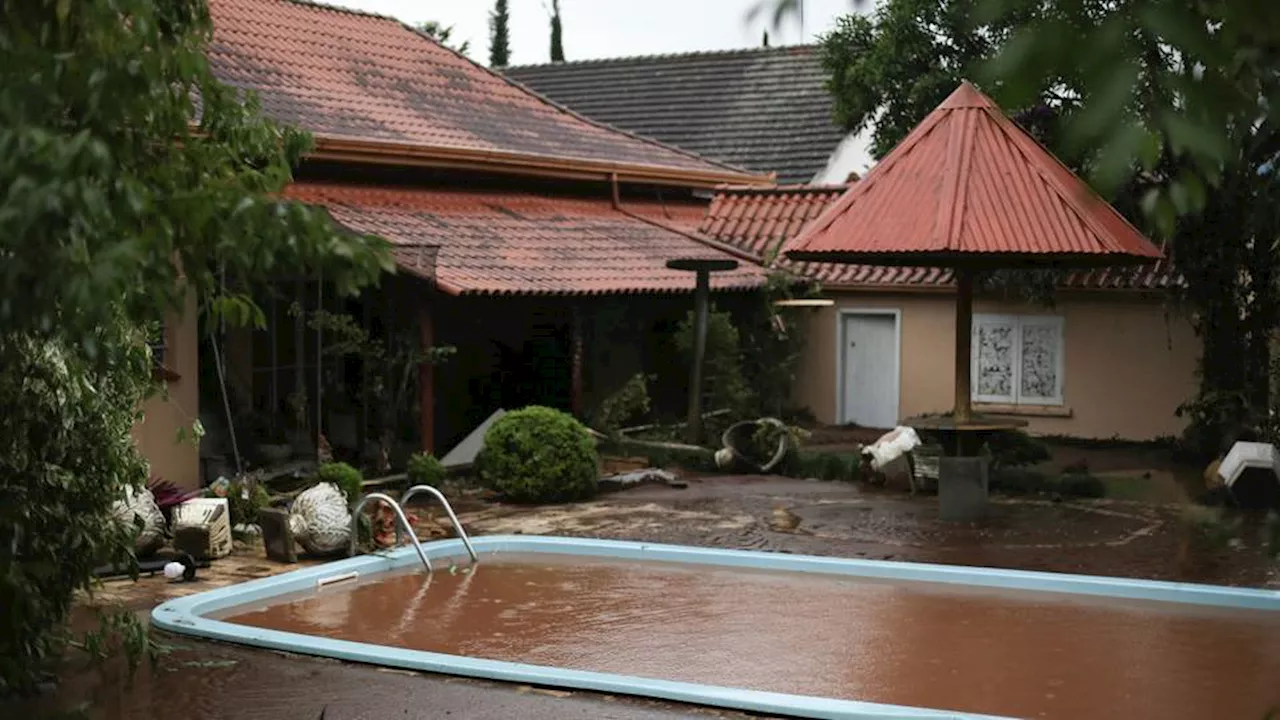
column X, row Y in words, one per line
column 804, row 303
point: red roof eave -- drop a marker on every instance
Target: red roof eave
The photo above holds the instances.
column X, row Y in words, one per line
column 518, row 243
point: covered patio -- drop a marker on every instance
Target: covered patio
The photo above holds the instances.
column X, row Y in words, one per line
column 550, row 300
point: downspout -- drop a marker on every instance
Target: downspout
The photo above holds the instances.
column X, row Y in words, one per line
column 738, row 253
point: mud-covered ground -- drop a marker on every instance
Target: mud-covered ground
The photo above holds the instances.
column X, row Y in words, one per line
column 206, row 680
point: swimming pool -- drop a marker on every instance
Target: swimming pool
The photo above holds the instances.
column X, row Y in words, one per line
column 770, row 633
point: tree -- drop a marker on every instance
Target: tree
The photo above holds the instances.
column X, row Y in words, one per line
column 557, row 40
column 1110, row 121
column 443, row 35
column 129, row 178
column 1204, row 143
column 892, row 68
column 1219, row 70
column 499, row 35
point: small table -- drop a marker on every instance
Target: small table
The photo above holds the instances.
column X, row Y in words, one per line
column 962, row 471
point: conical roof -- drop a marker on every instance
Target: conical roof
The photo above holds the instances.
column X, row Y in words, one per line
column 969, row 188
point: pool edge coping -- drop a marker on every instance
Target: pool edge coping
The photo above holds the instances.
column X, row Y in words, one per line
column 187, row 616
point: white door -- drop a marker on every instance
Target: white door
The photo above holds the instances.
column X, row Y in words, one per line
column 870, row 388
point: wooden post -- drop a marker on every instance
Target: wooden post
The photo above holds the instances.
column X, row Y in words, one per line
column 964, row 345
column 299, row 414
column 702, row 298
column 427, row 376
column 319, row 434
column 366, row 324
column 273, row 333
column 575, row 382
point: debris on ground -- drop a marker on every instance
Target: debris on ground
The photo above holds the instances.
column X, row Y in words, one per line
column 636, row 478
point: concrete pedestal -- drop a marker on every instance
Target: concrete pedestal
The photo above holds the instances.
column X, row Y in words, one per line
column 962, row 488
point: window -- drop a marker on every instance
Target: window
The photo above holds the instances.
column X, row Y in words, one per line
column 1017, row 359
column 157, row 343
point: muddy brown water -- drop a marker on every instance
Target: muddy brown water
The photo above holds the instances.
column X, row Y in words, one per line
column 1007, row 653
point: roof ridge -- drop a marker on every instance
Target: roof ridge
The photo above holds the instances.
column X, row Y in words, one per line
column 612, row 128
column 661, row 56
column 320, row 4
column 794, row 188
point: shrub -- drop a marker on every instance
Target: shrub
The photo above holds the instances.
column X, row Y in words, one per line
column 1030, row 482
column 68, row 457
column 1015, row 448
column 245, row 497
column 1081, row 485
column 168, row 496
column 348, row 479
column 537, row 454
column 627, row 402
column 425, row 469
column 722, row 362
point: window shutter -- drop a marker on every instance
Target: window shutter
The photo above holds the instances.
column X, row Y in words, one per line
column 995, row 359
column 1040, row 363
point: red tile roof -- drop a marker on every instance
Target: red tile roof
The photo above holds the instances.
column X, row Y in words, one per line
column 760, row 220
column 525, row 244
column 967, row 183
column 352, row 76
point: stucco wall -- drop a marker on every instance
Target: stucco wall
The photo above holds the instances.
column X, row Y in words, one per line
column 1127, row 366
column 156, row 435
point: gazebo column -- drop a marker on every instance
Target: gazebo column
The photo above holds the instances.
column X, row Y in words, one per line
column 964, row 346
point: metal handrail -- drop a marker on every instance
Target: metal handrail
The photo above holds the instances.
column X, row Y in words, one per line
column 466, row 541
column 404, row 521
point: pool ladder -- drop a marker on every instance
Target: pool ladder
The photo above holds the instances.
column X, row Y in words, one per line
column 403, row 521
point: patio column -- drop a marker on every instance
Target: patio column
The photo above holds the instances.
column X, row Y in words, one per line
column 575, row 382
column 427, row 378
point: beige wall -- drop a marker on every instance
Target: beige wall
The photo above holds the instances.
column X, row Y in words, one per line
column 1126, row 369
column 156, row 434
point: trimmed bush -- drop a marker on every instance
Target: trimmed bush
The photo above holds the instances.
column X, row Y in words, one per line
column 425, row 469
column 538, row 454
column 348, row 479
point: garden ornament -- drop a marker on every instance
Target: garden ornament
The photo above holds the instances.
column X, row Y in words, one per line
column 142, row 504
column 737, row 436
column 320, row 519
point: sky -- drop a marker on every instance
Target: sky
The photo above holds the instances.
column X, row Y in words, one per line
column 613, row 28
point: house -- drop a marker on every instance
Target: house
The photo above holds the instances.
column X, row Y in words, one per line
column 765, row 109
column 531, row 238
column 1107, row 360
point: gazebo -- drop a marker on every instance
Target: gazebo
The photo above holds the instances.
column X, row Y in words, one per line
column 971, row 191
